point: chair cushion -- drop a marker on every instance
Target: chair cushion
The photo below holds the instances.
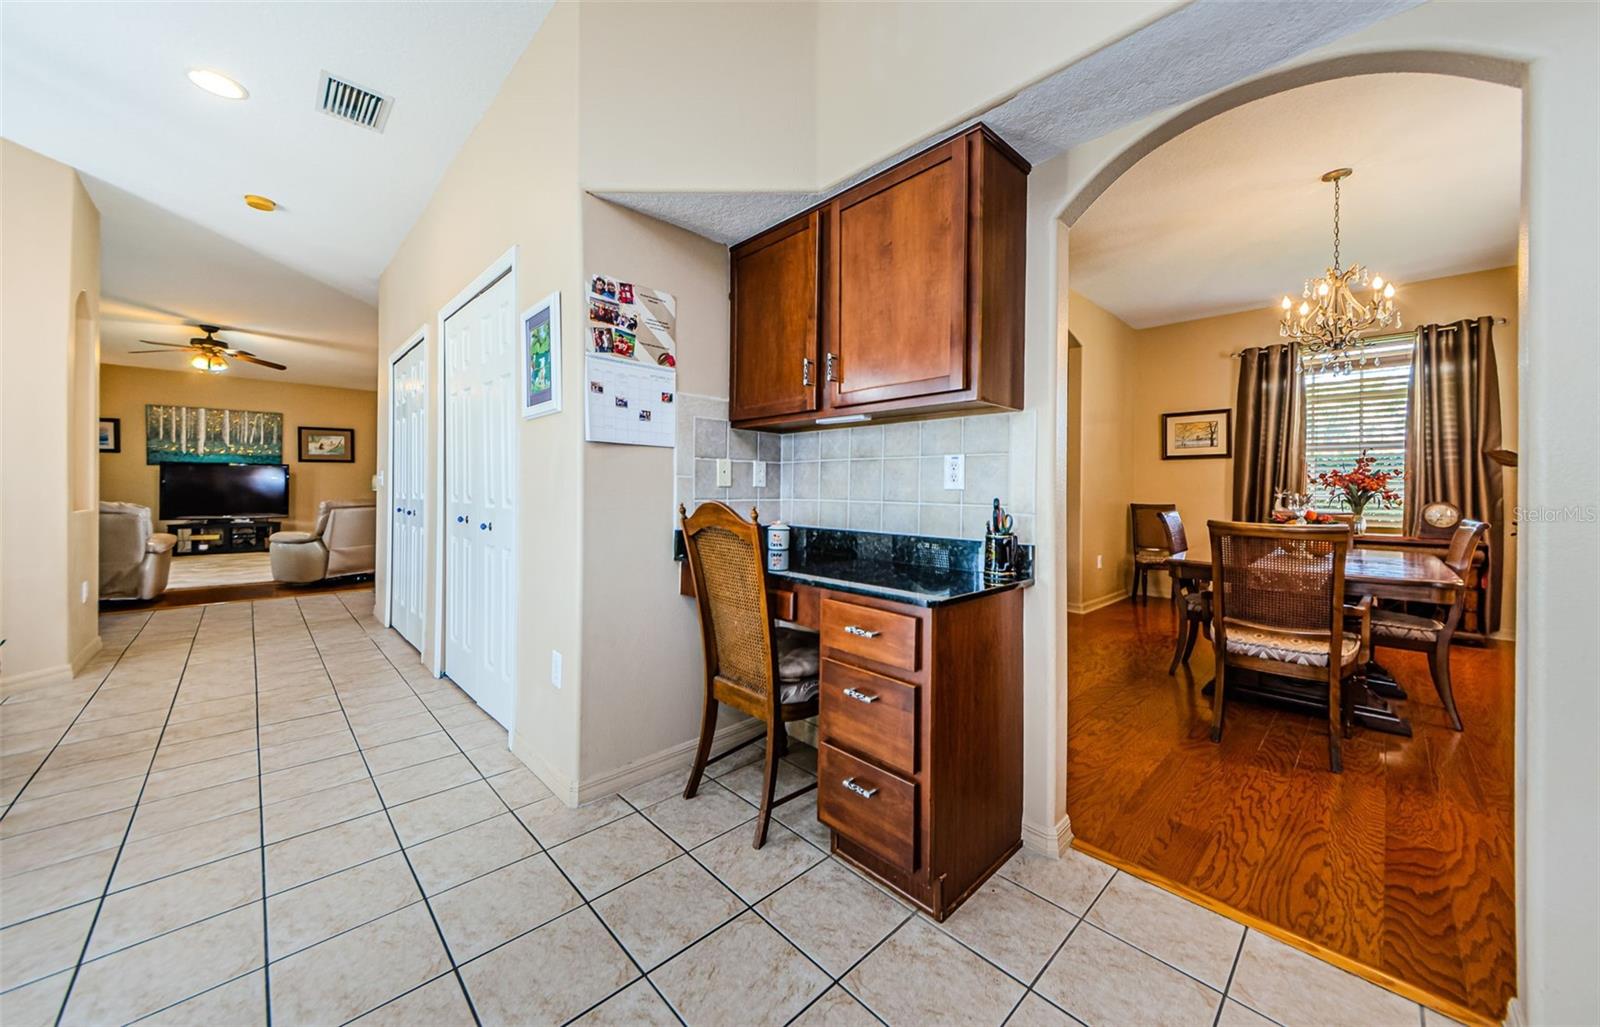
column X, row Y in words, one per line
column 798, row 691
column 797, row 656
column 1395, row 624
column 290, row 537
column 1273, row 645
column 1151, row 556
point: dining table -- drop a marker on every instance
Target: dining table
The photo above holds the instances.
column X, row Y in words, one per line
column 1399, row 575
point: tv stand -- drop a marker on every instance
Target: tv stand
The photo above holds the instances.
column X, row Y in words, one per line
column 197, row 535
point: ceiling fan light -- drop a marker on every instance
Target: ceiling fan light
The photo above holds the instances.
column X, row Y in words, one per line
column 218, row 84
column 199, row 362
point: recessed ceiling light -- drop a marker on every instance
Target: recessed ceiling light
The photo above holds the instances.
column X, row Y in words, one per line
column 217, row 84
column 259, row 202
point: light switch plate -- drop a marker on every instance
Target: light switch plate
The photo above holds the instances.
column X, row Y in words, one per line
column 758, row 474
column 555, row 667
column 955, row 472
column 724, row 473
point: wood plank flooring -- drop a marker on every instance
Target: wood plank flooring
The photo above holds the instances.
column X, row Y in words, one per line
column 1403, row 863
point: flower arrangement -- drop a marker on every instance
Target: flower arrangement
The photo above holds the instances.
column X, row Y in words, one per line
column 1359, row 486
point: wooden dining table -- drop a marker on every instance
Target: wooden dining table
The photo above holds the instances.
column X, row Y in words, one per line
column 1400, row 575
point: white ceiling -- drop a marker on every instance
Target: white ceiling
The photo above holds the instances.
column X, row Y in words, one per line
column 102, row 87
column 1232, row 213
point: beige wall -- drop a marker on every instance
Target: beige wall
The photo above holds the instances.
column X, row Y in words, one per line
column 49, row 545
column 124, row 391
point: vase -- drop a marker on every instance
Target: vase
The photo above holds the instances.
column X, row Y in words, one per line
column 1359, row 525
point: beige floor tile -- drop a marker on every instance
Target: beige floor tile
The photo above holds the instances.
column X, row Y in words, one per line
column 181, row 754
column 36, row 1004
column 700, row 988
column 191, row 809
column 44, row 945
column 283, row 785
column 481, row 735
column 147, row 721
column 301, row 728
column 656, row 789
column 359, row 970
column 421, row 819
column 1099, row 979
column 1071, row 882
column 553, row 822
column 408, row 752
column 742, row 758
column 320, row 809
column 33, row 814
column 439, row 1003
column 404, row 705
column 494, row 759
column 459, row 856
column 1429, row 1019
column 54, row 781
column 1011, row 927
column 164, row 784
column 836, row 1008
column 187, row 710
column 275, row 710
column 894, row 983
column 307, row 750
column 55, row 887
column 1291, row 987
column 71, row 754
column 833, row 915
column 712, row 811
column 613, row 855
column 136, row 981
column 210, row 727
column 800, row 816
column 637, row 1005
column 242, row 1002
column 424, row 779
column 1235, row 1014
column 747, row 781
column 129, row 917
column 756, row 873
column 395, row 730
column 24, row 852
column 549, row 975
column 492, row 909
column 310, row 856
column 667, row 910
column 314, row 912
column 463, row 714
column 1190, row 937
column 519, row 787
column 1036, row 1012
column 163, row 854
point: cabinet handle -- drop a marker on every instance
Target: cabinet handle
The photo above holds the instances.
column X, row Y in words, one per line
column 831, row 368
column 805, row 370
column 859, row 632
column 860, row 696
column 865, row 793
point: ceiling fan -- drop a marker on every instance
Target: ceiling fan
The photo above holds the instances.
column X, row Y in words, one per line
column 210, row 354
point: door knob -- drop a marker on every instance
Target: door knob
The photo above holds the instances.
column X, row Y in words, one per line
column 483, row 526
column 397, row 509
column 460, row 519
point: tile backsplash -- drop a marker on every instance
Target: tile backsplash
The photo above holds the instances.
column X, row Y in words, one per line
column 874, row 477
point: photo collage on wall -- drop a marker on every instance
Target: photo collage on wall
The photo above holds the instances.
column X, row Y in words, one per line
column 631, row 363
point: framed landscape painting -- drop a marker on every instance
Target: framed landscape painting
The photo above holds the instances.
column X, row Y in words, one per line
column 327, row 445
column 110, row 434
column 1197, row 434
column 541, row 357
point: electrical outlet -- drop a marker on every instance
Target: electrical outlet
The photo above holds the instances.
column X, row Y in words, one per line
column 955, row 472
column 758, row 474
column 555, row 667
column 1099, row 563
column 724, row 473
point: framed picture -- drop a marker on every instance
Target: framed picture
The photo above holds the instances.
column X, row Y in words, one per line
column 327, row 445
column 1197, row 434
column 110, row 434
column 541, row 357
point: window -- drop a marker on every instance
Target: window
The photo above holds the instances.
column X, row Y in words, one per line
column 1363, row 410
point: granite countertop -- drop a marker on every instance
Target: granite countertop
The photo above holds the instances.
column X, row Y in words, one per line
column 914, row 569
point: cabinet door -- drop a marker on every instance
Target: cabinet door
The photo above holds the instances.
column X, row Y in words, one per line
column 775, row 311
column 898, row 282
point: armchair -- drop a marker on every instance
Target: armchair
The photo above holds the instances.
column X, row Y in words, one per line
column 134, row 560
column 344, row 542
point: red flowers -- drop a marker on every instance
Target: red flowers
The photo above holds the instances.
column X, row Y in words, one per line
column 1360, row 485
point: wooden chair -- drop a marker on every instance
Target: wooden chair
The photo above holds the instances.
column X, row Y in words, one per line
column 1278, row 608
column 1395, row 629
column 1191, row 602
column 761, row 672
column 1148, row 540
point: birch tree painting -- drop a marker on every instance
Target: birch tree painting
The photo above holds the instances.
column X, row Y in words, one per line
column 176, row 434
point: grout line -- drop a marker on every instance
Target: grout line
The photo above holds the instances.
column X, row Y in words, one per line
column 1232, row 969
column 261, row 810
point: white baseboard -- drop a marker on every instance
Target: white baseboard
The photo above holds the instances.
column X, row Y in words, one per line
column 90, row 649
column 557, row 782
column 1098, row 604
column 1515, row 1016
column 1046, row 840
column 677, row 758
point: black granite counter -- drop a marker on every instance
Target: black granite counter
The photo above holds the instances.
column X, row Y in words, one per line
column 912, row 569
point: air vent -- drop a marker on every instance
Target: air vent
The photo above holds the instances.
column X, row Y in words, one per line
column 350, row 102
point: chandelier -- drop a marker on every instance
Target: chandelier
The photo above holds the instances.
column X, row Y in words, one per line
column 1330, row 321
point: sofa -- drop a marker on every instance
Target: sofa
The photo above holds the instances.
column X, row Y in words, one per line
column 134, row 560
column 344, row 543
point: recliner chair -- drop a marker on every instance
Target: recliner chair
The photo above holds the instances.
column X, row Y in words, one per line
column 344, row 542
column 134, row 561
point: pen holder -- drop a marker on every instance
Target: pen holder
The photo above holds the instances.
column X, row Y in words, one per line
column 1000, row 555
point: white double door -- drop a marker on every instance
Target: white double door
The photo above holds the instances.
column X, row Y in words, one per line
column 408, row 463
column 480, row 487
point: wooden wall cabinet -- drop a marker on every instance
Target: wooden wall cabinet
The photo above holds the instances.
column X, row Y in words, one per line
column 902, row 295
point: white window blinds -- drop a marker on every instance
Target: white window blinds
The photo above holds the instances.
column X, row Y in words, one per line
column 1363, row 410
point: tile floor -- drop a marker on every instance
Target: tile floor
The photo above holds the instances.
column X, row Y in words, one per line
column 269, row 813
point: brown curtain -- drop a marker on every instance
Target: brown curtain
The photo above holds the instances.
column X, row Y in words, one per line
column 1269, row 431
column 1454, row 423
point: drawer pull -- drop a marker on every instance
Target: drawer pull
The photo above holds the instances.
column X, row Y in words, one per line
column 859, row 696
column 865, row 793
column 859, row 632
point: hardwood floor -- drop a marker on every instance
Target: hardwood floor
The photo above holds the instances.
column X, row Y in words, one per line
column 1403, row 863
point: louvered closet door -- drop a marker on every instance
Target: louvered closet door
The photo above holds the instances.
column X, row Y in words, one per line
column 480, row 498
column 408, row 392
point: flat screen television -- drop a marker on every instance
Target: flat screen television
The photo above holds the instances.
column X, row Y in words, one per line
column 224, row 490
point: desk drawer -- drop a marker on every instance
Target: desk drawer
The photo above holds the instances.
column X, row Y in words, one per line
column 872, row 807
column 869, row 714
column 881, row 636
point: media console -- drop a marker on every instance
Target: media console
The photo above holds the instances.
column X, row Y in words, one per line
column 198, row 535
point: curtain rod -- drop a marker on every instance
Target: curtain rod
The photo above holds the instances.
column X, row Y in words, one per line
column 1377, row 338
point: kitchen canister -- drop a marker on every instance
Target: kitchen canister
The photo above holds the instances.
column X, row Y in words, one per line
column 777, row 559
column 777, row 537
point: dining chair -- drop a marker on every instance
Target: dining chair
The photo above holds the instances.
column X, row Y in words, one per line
column 767, row 673
column 1148, row 541
column 1191, row 602
column 1278, row 608
column 1432, row 634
